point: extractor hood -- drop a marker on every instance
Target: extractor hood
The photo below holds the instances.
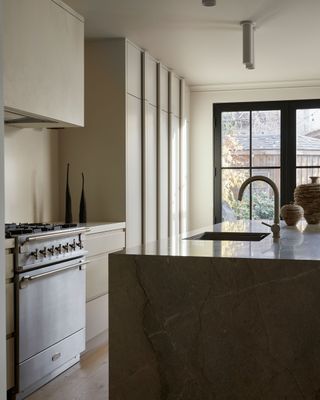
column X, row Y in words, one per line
column 20, row 120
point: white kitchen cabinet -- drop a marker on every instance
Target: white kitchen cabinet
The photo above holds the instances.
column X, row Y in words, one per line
column 184, row 157
column 150, row 79
column 44, row 61
column 150, row 174
column 10, row 308
column 174, row 173
column 119, row 150
column 134, row 172
column 97, row 277
column 9, row 265
column 10, row 363
column 163, row 176
column 164, row 88
column 99, row 244
column 133, row 67
column 174, row 104
column 105, row 241
column 97, row 320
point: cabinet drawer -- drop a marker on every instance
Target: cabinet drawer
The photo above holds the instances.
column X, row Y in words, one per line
column 49, row 360
column 97, row 317
column 10, row 308
column 97, row 276
column 10, row 363
column 9, row 266
column 107, row 242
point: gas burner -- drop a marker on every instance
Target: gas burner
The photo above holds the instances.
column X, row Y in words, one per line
column 12, row 230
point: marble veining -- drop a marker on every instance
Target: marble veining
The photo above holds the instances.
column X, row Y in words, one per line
column 213, row 328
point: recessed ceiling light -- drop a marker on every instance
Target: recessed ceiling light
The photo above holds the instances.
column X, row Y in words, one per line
column 208, row 3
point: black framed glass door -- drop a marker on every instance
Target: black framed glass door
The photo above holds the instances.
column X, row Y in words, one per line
column 280, row 140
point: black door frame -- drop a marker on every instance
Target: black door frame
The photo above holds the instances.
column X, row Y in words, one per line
column 287, row 150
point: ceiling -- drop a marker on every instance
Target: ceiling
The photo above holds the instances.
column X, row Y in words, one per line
column 204, row 44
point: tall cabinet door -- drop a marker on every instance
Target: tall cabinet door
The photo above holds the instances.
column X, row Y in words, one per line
column 184, row 157
column 150, row 174
column 163, row 176
column 174, row 154
column 174, row 186
column 163, row 153
column 133, row 172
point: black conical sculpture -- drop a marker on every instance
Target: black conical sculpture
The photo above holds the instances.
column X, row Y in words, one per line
column 68, row 213
column 83, row 206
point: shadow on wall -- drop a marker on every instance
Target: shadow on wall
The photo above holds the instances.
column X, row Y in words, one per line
column 31, row 175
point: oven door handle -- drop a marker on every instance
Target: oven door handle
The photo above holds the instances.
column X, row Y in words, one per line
column 52, row 235
column 24, row 280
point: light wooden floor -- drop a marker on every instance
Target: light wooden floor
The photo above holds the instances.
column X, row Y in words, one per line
column 87, row 380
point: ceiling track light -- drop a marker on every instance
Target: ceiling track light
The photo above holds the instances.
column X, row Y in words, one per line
column 248, row 28
column 208, row 3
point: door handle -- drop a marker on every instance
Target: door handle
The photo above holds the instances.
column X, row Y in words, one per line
column 23, row 283
column 52, row 235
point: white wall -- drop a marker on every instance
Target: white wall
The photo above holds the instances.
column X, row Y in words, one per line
column 3, row 377
column 31, row 175
column 201, row 140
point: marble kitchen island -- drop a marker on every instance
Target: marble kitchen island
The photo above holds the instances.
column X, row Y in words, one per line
column 200, row 320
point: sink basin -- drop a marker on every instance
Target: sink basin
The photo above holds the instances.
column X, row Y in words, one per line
column 236, row 236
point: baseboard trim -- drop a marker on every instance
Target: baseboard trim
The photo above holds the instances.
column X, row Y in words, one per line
column 98, row 341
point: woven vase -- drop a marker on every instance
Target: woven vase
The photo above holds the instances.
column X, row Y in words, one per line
column 308, row 197
column 291, row 213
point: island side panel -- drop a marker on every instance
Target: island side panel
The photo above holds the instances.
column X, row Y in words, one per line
column 206, row 328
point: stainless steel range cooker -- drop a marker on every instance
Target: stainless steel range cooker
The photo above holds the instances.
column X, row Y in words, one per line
column 49, row 301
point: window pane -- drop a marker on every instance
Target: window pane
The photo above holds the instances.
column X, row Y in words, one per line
column 262, row 194
column 308, row 137
column 266, row 138
column 233, row 209
column 303, row 175
column 235, row 139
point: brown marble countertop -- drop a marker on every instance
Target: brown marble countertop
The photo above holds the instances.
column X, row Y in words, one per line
column 301, row 242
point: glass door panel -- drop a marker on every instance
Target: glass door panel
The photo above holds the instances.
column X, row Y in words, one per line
column 250, row 145
column 303, row 175
column 307, row 144
column 262, row 193
column 233, row 209
column 266, row 138
column 235, row 139
column 308, row 137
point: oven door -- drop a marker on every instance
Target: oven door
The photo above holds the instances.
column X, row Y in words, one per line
column 51, row 306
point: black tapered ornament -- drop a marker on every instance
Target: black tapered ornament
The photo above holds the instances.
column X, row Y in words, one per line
column 83, row 205
column 68, row 211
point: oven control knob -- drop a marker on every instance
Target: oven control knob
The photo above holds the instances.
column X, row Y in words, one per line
column 51, row 250
column 35, row 254
column 44, row 252
column 73, row 245
column 80, row 245
column 66, row 247
column 59, row 249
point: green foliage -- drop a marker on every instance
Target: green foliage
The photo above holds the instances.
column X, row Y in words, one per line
column 232, row 156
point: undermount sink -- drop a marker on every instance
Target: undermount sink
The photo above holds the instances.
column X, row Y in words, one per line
column 236, row 236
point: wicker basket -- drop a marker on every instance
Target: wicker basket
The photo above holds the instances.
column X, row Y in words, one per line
column 308, row 197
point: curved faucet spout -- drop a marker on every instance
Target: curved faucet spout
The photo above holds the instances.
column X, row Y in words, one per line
column 275, row 228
